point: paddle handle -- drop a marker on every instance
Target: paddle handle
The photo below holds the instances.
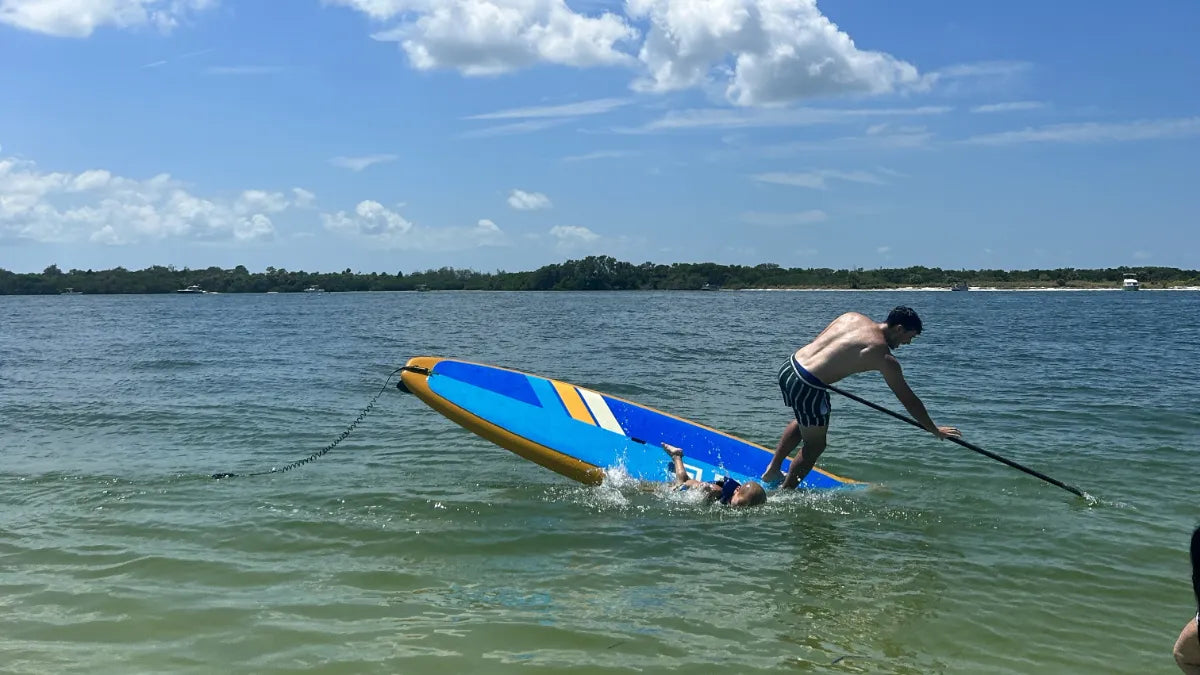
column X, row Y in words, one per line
column 965, row 444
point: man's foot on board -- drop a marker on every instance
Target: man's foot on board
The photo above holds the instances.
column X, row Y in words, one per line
column 672, row 450
column 772, row 477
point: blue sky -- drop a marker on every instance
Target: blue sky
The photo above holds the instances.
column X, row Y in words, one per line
column 402, row 135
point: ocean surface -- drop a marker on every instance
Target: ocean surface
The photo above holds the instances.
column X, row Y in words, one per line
column 416, row 547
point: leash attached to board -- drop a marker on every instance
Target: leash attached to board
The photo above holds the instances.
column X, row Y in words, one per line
column 341, row 437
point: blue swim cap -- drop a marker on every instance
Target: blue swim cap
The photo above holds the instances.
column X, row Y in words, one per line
column 727, row 488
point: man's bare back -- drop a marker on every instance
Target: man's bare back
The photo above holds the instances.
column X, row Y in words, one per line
column 852, row 343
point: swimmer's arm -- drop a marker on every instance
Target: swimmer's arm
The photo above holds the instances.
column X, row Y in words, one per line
column 710, row 490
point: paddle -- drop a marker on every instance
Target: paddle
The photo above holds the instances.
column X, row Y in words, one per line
column 965, row 444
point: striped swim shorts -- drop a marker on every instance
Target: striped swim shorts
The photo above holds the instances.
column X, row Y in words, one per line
column 806, row 395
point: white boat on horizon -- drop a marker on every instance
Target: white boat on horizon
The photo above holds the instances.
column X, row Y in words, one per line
column 314, row 289
column 1130, row 283
column 192, row 290
column 70, row 291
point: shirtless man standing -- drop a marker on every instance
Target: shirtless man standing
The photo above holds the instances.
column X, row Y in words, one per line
column 853, row 343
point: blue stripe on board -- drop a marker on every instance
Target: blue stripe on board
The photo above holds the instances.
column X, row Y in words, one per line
column 549, row 397
column 506, row 382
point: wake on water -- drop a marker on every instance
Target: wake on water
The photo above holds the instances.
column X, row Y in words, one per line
column 620, row 492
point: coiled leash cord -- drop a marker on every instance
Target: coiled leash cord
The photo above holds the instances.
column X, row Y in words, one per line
column 301, row 462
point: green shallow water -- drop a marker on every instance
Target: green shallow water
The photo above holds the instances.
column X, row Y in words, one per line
column 416, row 547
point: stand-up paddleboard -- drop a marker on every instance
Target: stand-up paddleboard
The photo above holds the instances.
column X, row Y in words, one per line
column 579, row 432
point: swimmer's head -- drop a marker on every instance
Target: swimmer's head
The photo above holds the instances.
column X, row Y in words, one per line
column 749, row 493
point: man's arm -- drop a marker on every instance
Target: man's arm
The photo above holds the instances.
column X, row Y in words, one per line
column 893, row 374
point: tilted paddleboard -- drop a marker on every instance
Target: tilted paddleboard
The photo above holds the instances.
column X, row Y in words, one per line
column 579, row 432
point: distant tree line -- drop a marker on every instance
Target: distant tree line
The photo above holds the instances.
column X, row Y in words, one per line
column 593, row 273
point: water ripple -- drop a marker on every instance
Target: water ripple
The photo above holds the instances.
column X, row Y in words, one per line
column 418, row 547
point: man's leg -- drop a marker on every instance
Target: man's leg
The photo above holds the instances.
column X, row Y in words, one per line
column 814, row 445
column 787, row 443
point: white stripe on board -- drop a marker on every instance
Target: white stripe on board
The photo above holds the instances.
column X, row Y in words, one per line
column 604, row 417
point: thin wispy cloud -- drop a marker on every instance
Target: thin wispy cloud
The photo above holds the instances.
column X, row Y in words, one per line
column 600, row 154
column 784, row 219
column 1011, row 106
column 528, row 126
column 890, row 138
column 1094, row 132
column 990, row 78
column 181, row 57
column 360, row 163
column 243, row 70
column 578, row 109
column 983, row 69
column 723, row 118
column 198, row 52
column 817, row 180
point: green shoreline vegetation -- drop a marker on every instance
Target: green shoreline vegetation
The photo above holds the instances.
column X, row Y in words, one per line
column 599, row 273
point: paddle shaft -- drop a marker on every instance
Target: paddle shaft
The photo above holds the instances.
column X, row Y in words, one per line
column 965, row 444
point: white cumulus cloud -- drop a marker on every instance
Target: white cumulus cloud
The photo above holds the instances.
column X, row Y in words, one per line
column 97, row 206
column 489, row 37
column 371, row 219
column 381, row 226
column 528, row 201
column 759, row 51
column 304, row 198
column 574, row 239
column 80, row 18
column 573, row 233
column 755, row 52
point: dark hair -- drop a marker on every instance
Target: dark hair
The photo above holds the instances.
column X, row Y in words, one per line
column 906, row 318
column 1196, row 566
